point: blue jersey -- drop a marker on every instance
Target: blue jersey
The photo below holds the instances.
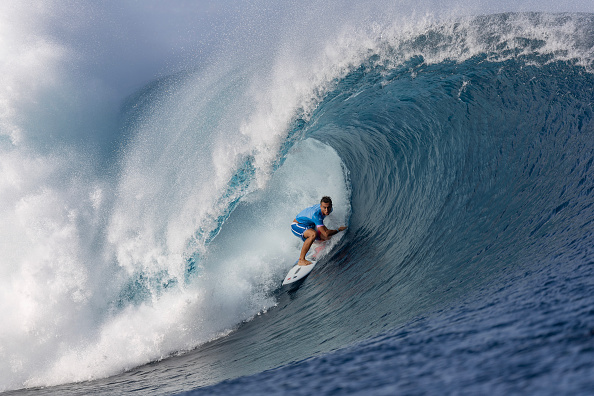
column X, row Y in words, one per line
column 311, row 217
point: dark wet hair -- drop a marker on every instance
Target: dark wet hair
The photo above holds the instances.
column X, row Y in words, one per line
column 327, row 200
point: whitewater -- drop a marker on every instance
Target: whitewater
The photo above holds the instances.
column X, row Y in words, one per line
column 153, row 156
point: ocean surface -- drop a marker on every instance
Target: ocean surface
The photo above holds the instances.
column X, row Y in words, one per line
column 148, row 181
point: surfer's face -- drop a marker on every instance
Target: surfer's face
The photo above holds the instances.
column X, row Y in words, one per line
column 326, row 208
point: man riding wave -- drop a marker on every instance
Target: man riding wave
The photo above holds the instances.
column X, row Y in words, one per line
column 309, row 226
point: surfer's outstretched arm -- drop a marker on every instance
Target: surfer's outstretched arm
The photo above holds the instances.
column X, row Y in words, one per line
column 325, row 233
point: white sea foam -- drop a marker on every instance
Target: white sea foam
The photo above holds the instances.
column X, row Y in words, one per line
column 86, row 256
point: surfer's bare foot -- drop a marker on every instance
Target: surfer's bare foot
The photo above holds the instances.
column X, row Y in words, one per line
column 304, row 262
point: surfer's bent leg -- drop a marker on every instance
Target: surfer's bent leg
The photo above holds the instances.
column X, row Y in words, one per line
column 310, row 236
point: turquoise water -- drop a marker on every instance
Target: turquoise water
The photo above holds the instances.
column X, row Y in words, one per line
column 458, row 151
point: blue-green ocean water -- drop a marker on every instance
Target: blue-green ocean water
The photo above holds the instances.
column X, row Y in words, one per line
column 461, row 155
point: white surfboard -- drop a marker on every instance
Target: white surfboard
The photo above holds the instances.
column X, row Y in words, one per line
column 298, row 272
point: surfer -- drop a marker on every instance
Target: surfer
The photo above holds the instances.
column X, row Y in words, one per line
column 309, row 226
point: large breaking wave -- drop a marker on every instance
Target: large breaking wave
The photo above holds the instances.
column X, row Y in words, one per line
column 457, row 150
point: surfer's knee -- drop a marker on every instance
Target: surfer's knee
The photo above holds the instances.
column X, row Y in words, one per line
column 309, row 234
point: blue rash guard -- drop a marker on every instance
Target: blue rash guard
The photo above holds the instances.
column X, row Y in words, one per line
column 311, row 217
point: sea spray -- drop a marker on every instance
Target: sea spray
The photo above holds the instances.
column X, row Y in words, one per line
column 95, row 266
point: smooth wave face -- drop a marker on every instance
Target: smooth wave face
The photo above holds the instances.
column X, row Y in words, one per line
column 459, row 153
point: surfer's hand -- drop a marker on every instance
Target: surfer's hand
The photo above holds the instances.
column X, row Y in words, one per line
column 342, row 228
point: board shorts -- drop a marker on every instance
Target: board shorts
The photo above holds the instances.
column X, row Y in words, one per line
column 299, row 229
